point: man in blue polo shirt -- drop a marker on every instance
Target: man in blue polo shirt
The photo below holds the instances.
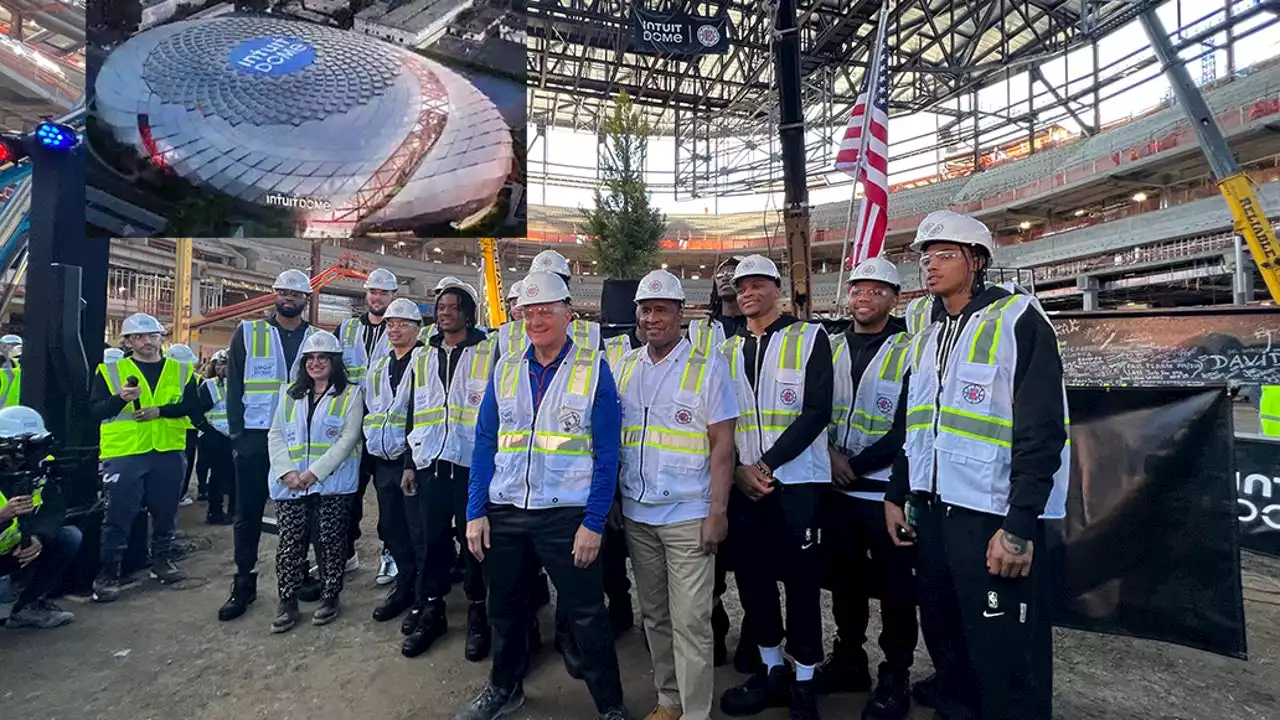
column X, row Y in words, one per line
column 543, row 477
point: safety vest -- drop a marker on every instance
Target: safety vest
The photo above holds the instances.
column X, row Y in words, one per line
column 963, row 435
column 1269, row 410
column 191, row 373
column 10, row 386
column 614, row 348
column 775, row 403
column 122, row 435
column 386, row 410
column 264, row 371
column 919, row 314
column 310, row 438
column 707, row 335
column 544, row 455
column 444, row 420
column 354, row 356
column 424, row 335
column 512, row 339
column 11, row 536
column 666, row 451
column 863, row 414
column 217, row 415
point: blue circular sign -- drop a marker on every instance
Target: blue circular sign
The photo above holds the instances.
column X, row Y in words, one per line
column 272, row 56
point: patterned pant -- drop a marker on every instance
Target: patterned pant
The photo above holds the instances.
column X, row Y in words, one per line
column 329, row 514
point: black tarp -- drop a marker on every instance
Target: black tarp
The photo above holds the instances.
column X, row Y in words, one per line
column 1258, row 493
column 1150, row 545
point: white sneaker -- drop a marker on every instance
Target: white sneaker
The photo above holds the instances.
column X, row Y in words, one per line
column 185, row 501
column 353, row 563
column 387, row 569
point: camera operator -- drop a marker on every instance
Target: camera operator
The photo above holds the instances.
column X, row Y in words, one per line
column 35, row 547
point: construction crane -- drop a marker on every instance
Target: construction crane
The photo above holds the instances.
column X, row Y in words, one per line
column 262, row 302
column 1251, row 222
column 491, row 276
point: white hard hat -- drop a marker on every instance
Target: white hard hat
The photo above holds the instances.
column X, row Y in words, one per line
column 21, row 421
column 294, row 280
column 756, row 266
column 947, row 226
column 11, row 340
column 405, row 309
column 221, row 355
column 514, row 292
column 542, row 287
column 141, row 324
column 382, row 279
column 467, row 288
column 446, row 281
column 879, row 269
column 111, row 355
column 660, row 285
column 320, row 341
column 550, row 261
column 181, row 353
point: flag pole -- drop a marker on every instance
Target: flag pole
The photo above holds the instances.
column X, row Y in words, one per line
column 844, row 248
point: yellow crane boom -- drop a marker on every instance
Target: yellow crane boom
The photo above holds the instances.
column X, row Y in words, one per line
column 492, row 276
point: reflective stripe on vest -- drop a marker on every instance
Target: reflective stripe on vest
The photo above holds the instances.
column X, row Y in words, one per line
column 919, row 314
column 444, row 419
column 10, row 386
column 11, row 536
column 122, row 435
column 387, row 412
column 264, row 372
column 1269, row 410
column 614, row 348
column 217, row 415
column 863, row 413
column 659, row 435
column 309, row 438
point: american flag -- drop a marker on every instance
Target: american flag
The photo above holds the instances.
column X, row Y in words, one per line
column 864, row 152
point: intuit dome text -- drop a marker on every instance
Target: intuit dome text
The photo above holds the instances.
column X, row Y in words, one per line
column 678, row 33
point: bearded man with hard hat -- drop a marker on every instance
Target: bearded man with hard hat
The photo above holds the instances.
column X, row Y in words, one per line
column 263, row 358
column 781, row 369
column 543, row 477
column 446, row 386
column 144, row 403
column 868, row 424
column 678, row 411
column 364, row 342
column 987, row 462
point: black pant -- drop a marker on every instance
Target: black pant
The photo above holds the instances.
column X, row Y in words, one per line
column 42, row 577
column 193, row 439
column 393, row 520
column 253, row 468
column 203, row 466
column 131, row 483
column 863, row 562
column 439, row 507
column 357, row 505
column 990, row 638
column 617, row 586
column 514, row 536
column 777, row 538
column 215, row 455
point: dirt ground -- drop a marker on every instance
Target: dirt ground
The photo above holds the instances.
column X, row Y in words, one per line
column 160, row 653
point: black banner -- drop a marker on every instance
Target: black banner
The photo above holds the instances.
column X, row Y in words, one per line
column 1258, row 492
column 1149, row 547
column 678, row 33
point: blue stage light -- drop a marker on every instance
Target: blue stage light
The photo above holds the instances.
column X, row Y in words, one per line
column 56, row 136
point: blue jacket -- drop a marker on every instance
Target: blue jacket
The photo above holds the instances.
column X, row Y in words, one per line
column 606, row 436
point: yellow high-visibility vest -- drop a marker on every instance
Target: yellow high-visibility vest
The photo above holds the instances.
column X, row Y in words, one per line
column 122, row 435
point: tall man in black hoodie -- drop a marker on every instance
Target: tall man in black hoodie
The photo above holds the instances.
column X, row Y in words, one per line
column 986, row 463
column 868, row 424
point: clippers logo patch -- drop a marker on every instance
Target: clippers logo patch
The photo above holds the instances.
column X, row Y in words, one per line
column 788, row 396
column 531, row 291
column 332, row 432
column 866, row 270
column 748, row 264
column 973, row 394
column 708, row 35
column 884, row 405
column 931, row 229
column 684, row 417
column 474, row 398
column 656, row 285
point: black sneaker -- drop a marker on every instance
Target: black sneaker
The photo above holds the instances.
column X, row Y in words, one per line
column 891, row 699
column 326, row 613
column 395, row 603
column 410, row 622
column 491, row 704
column 478, row 634
column 844, row 671
column 167, row 572
column 106, row 587
column 618, row 713
column 803, row 703
column 244, row 590
column 431, row 627
column 287, row 616
column 762, row 690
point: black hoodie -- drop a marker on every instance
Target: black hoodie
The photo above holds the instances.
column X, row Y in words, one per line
column 1038, row 430
column 862, row 349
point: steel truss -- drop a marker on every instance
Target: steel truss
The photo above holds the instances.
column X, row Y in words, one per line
column 722, row 109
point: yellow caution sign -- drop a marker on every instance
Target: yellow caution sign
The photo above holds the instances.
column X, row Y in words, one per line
column 1252, row 223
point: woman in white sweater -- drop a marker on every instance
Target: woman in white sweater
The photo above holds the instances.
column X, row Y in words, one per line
column 315, row 461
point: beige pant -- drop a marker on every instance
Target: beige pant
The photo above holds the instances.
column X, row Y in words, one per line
column 675, row 582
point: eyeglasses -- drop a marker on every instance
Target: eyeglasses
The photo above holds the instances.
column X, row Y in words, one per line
column 940, row 256
column 399, row 323
column 869, row 292
column 318, row 359
column 542, row 313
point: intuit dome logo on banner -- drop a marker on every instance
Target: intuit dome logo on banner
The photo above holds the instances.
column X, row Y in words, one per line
column 678, row 33
column 272, row 56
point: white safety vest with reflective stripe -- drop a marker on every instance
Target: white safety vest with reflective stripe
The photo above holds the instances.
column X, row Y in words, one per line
column 424, row 335
column 386, row 411
column 512, row 339
column 919, row 314
column 444, row 424
column 964, row 434
column 309, row 444
column 264, row 371
column 666, row 450
column 776, row 401
column 354, row 356
column 706, row 334
column 614, row 348
column 544, row 456
column 217, row 415
column 862, row 415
